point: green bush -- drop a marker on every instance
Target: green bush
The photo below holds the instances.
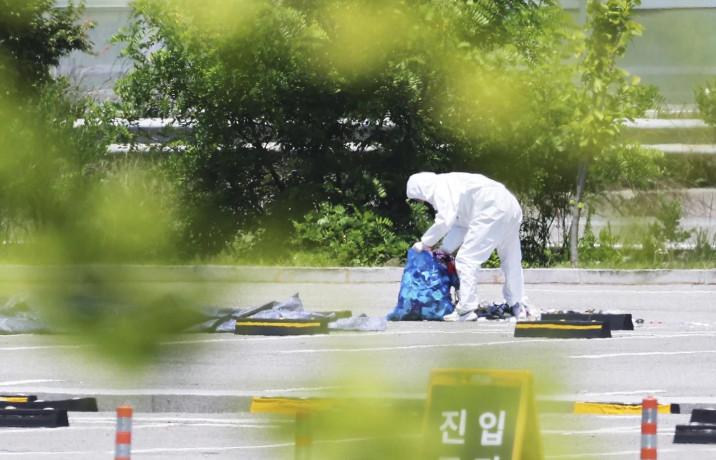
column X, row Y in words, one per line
column 650, row 244
column 346, row 236
column 706, row 100
column 534, row 237
column 703, row 252
column 599, row 249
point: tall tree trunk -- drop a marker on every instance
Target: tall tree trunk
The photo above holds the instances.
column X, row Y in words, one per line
column 576, row 211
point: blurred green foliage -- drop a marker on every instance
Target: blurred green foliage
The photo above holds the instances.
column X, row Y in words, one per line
column 33, row 37
column 65, row 207
column 42, row 157
column 123, row 319
column 706, row 100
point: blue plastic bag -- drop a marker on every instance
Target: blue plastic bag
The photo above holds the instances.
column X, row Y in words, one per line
column 424, row 289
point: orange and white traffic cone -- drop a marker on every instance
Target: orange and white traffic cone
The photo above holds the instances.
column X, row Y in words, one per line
column 123, row 446
column 649, row 409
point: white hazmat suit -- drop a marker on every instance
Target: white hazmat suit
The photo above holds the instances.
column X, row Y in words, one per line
column 477, row 215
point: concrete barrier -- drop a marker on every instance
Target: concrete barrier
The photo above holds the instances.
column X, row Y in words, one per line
column 335, row 275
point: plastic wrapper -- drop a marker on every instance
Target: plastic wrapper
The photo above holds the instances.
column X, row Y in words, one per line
column 359, row 323
column 224, row 319
column 21, row 315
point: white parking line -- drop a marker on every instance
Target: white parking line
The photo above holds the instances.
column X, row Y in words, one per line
column 26, row 382
column 645, row 353
column 617, row 393
column 632, row 428
column 599, row 455
column 44, row 347
column 213, row 449
column 232, row 338
column 65, row 454
column 105, row 453
column 415, row 347
column 692, row 453
column 687, row 290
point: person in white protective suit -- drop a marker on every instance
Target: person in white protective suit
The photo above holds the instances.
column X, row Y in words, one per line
column 477, row 215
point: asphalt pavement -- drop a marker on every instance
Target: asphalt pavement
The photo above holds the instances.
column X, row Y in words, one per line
column 194, row 400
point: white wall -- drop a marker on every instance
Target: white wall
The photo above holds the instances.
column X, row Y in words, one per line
column 96, row 73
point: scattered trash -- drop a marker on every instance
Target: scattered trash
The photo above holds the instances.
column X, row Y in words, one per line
column 494, row 311
column 426, row 287
column 224, row 319
column 20, row 315
column 359, row 323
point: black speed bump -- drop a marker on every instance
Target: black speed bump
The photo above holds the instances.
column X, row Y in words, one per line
column 707, row 416
column 563, row 329
column 5, row 398
column 33, row 418
column 73, row 405
column 695, row 434
column 700, row 430
column 271, row 326
column 617, row 321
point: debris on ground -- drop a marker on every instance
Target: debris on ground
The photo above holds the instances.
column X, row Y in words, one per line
column 21, row 314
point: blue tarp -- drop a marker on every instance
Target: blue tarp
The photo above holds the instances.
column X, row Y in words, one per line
column 425, row 288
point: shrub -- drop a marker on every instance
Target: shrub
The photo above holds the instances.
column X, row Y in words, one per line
column 346, row 236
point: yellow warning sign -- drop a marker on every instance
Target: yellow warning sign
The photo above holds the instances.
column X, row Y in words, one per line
column 481, row 414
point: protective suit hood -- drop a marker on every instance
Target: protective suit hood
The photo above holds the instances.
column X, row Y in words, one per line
column 421, row 186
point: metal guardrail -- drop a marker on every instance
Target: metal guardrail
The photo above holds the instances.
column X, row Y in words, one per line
column 157, row 129
column 30, row 275
column 677, row 125
column 684, row 149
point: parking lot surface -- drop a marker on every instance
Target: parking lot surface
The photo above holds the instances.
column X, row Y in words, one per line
column 194, row 400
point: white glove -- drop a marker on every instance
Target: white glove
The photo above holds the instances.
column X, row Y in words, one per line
column 418, row 247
